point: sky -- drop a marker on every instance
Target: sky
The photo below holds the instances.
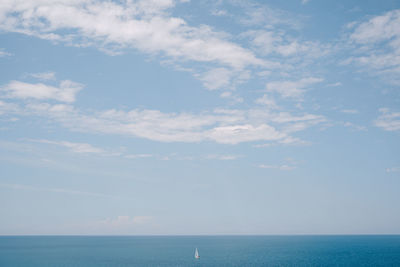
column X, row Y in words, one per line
column 199, row 117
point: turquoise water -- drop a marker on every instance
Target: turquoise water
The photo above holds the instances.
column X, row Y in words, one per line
column 214, row 251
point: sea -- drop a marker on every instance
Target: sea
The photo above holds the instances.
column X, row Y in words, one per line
column 121, row 251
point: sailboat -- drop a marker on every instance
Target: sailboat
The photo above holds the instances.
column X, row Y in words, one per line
column 196, row 254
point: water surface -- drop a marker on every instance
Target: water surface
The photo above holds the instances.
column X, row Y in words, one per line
column 121, row 251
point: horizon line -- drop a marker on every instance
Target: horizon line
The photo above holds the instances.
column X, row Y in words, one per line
column 184, row 235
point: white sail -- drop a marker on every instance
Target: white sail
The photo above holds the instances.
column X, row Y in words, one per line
column 196, row 254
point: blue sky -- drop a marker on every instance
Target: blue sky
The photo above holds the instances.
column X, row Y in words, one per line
column 199, row 117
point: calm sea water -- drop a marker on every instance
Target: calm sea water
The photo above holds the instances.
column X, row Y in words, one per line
column 214, row 251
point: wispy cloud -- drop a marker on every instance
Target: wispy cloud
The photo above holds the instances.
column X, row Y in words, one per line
column 44, row 75
column 222, row 157
column 349, row 111
column 219, row 12
column 220, row 125
column 283, row 167
column 234, row 98
column 388, row 120
column 288, row 164
column 268, row 101
column 143, row 25
column 74, row 147
column 4, row 53
column 392, row 169
column 256, row 14
column 354, row 126
column 10, row 108
column 292, row 89
column 274, row 42
column 216, row 78
column 376, row 42
column 65, row 92
column 138, row 156
column 378, row 29
column 263, row 145
column 150, row 27
column 337, row 84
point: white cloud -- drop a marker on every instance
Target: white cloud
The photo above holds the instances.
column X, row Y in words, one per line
column 44, row 75
column 350, row 111
column 138, row 156
column 263, row 145
column 74, row 147
column 4, row 53
column 267, row 101
column 393, row 169
column 305, row 1
column 264, row 73
column 234, row 134
column 233, row 97
column 216, row 78
column 355, row 126
column 143, row 25
column 293, row 141
column 262, row 15
column 290, row 140
column 378, row 29
column 334, row 84
column 389, row 121
column 309, row 48
column 219, row 12
column 222, row 157
column 278, row 42
column 288, row 165
column 10, row 108
column 227, row 126
column 292, row 89
column 223, row 78
column 283, row 167
column 65, row 92
column 267, row 40
column 377, row 44
column 221, row 126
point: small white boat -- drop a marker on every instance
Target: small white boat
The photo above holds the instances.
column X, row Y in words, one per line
column 196, row 254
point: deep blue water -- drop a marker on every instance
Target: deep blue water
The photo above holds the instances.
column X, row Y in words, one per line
column 120, row 251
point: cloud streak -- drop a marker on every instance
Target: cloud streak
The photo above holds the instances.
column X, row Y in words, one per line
column 292, row 89
column 45, row 76
column 224, row 126
column 112, row 26
column 283, row 167
column 377, row 44
column 4, row 53
column 393, row 169
column 389, row 121
column 74, row 147
column 65, row 92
